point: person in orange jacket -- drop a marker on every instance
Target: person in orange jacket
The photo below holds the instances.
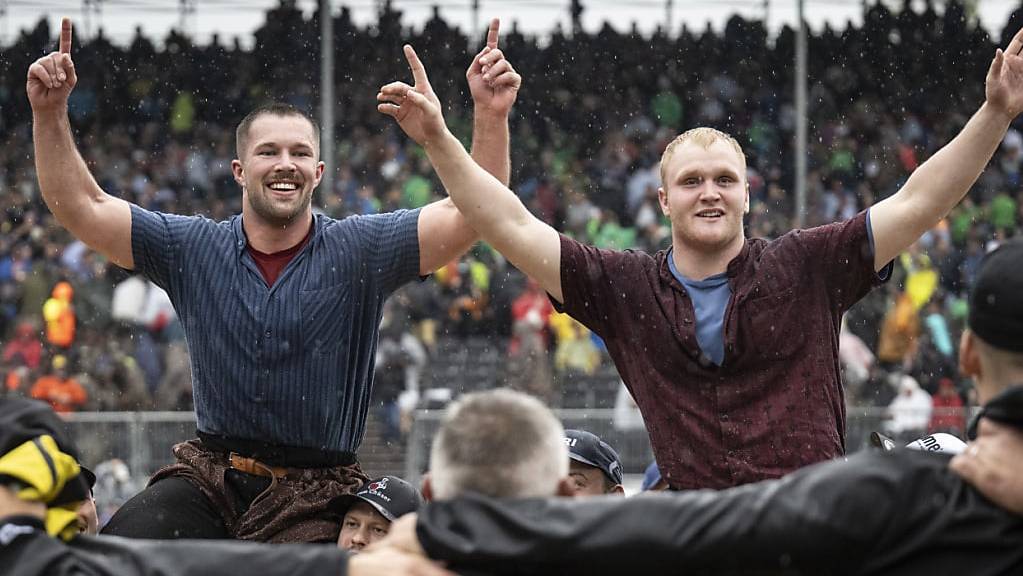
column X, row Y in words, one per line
column 63, row 393
column 60, row 316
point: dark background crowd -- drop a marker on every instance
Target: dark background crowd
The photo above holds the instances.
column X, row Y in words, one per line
column 155, row 122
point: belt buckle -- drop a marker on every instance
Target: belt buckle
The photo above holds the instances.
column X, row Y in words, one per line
column 255, row 467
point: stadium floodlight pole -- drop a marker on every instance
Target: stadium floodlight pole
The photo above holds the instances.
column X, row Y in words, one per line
column 186, row 12
column 475, row 17
column 801, row 124
column 4, row 27
column 669, row 16
column 327, row 103
column 87, row 18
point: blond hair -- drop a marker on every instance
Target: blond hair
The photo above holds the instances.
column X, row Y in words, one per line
column 703, row 137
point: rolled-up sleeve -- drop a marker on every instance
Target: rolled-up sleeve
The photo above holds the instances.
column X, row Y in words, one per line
column 156, row 242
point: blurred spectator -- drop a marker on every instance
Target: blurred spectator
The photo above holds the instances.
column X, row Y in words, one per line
column 59, row 315
column 114, row 486
column 898, row 343
column 910, row 411
column 652, row 479
column 948, row 413
column 25, row 348
column 529, row 367
column 937, row 327
column 627, row 417
column 400, row 358
column 575, row 353
column 63, row 392
column 856, row 358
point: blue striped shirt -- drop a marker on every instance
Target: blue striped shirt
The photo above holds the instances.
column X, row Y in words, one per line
column 290, row 364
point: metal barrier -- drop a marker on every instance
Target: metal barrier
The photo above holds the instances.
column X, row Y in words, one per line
column 143, row 440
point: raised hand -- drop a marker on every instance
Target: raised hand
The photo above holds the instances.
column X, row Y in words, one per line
column 493, row 82
column 416, row 108
column 52, row 77
column 1004, row 84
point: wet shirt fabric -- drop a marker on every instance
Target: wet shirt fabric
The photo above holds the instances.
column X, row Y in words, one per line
column 775, row 403
column 291, row 363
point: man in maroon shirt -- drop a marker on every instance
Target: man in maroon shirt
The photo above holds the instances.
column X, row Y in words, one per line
column 729, row 345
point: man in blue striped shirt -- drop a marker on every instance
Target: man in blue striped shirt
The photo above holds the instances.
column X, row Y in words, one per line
column 280, row 309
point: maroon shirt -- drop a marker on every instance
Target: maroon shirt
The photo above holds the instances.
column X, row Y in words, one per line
column 776, row 403
column 271, row 265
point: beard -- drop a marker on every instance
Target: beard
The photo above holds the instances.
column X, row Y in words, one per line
column 276, row 212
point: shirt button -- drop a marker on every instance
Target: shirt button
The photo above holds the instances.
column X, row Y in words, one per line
column 267, row 333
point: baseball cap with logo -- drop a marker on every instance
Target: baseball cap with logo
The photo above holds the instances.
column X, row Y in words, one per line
column 589, row 449
column 391, row 496
column 996, row 299
column 939, row 442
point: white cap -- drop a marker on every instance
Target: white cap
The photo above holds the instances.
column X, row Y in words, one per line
column 939, row 442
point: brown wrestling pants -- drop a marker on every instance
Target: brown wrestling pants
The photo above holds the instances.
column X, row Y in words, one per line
column 202, row 496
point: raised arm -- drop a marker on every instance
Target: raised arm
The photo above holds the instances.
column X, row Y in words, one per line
column 487, row 204
column 941, row 182
column 101, row 221
column 443, row 232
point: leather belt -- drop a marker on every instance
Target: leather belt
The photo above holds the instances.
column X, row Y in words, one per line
column 255, row 467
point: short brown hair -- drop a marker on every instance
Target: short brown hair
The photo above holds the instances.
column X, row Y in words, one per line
column 241, row 134
column 703, row 137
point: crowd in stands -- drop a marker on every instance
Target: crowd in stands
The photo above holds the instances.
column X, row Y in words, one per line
column 156, row 125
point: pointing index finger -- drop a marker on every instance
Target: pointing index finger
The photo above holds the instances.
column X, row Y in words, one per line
column 65, row 35
column 418, row 71
column 495, row 24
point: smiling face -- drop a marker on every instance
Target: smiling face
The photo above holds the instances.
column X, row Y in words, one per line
column 278, row 168
column 704, row 193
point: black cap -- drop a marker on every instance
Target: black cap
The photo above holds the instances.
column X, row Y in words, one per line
column 591, row 450
column 996, row 300
column 391, row 496
column 22, row 420
column 89, row 476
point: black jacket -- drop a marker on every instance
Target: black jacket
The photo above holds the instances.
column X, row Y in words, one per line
column 27, row 550
column 898, row 512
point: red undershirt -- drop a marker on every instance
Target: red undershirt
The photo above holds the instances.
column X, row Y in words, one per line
column 271, row 265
